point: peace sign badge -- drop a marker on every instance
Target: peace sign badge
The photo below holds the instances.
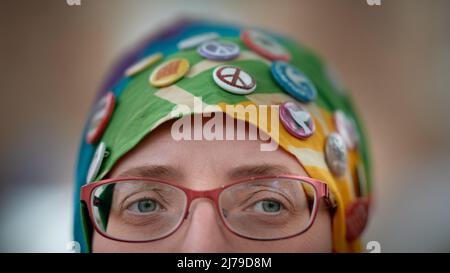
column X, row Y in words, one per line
column 219, row 50
column 296, row 120
column 234, row 80
column 293, row 81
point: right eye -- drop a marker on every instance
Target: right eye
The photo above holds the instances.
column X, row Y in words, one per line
column 268, row 206
column 144, row 206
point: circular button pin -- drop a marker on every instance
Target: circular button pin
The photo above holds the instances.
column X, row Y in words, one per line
column 346, row 128
column 96, row 162
column 219, row 50
column 169, row 72
column 100, row 118
column 293, row 81
column 296, row 120
column 356, row 216
column 143, row 64
column 234, row 80
column 265, row 45
column 197, row 40
column 336, row 154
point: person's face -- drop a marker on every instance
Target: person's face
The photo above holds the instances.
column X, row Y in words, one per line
column 204, row 165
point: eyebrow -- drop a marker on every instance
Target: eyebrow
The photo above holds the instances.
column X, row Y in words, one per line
column 153, row 171
column 172, row 173
column 257, row 170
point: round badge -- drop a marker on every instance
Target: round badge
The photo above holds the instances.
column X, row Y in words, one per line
column 96, row 162
column 100, row 118
column 296, row 120
column 293, row 81
column 356, row 216
column 336, row 154
column 197, row 40
column 346, row 128
column 219, row 50
column 143, row 64
column 169, row 72
column 234, row 80
column 265, row 45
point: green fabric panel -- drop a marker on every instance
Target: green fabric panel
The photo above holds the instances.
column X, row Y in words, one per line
column 138, row 109
column 87, row 226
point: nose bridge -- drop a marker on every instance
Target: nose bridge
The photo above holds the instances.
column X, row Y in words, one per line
column 204, row 232
column 209, row 194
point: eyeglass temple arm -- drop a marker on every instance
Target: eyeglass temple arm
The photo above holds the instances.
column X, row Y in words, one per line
column 327, row 195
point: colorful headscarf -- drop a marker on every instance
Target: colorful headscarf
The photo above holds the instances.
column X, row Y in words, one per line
column 144, row 91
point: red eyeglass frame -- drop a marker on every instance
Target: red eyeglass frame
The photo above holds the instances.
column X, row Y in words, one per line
column 320, row 188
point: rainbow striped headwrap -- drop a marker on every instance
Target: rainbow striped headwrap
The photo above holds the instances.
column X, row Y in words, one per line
column 140, row 107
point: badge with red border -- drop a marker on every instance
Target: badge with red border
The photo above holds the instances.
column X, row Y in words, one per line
column 356, row 216
column 100, row 118
column 265, row 45
column 234, row 80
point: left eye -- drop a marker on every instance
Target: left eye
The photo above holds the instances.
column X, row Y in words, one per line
column 144, row 206
column 268, row 206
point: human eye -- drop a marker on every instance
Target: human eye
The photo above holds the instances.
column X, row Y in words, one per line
column 268, row 206
column 267, row 202
column 144, row 210
column 144, row 206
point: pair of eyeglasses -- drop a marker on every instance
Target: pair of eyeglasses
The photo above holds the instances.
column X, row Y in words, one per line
column 136, row 209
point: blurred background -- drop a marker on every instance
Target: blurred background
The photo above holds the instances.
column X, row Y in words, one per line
column 395, row 59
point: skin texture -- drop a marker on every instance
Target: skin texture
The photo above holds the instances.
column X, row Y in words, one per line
column 208, row 164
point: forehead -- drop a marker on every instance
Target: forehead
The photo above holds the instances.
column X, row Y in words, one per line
column 218, row 156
